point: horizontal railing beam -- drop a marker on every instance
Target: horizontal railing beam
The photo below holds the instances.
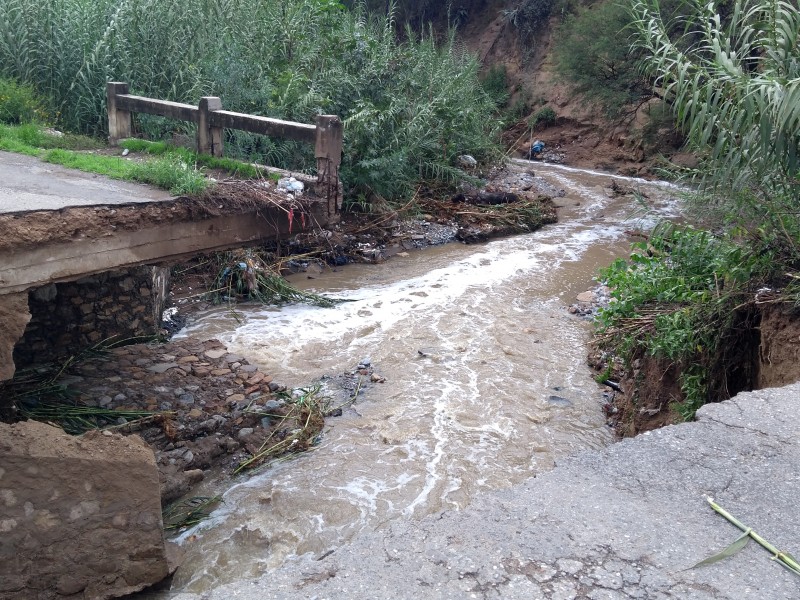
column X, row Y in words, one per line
column 163, row 108
column 263, row 125
column 211, row 120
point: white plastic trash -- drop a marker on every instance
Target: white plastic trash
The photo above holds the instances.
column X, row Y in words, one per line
column 290, row 184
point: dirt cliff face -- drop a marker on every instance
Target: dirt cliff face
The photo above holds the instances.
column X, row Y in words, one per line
column 582, row 135
column 779, row 351
column 764, row 354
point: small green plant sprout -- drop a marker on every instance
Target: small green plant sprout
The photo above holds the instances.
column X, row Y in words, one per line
column 784, row 559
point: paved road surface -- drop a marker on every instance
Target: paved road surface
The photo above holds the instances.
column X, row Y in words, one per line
column 625, row 522
column 26, row 184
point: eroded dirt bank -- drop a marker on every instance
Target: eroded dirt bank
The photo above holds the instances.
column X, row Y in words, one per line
column 764, row 353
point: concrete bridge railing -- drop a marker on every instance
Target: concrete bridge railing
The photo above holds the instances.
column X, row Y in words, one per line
column 211, row 120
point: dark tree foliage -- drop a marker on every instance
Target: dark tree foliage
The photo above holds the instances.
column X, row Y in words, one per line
column 593, row 50
column 418, row 13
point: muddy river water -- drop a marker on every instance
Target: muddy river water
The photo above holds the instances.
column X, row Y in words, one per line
column 499, row 393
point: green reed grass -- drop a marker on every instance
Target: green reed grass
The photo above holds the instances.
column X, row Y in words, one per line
column 192, row 511
column 410, row 108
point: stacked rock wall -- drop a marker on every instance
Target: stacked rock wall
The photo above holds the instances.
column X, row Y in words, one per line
column 67, row 318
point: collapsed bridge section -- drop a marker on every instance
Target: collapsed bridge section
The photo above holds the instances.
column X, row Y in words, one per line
column 83, row 258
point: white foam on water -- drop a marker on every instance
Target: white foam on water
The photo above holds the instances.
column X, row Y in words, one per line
column 550, row 167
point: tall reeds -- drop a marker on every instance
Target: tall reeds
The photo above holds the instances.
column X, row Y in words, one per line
column 409, row 107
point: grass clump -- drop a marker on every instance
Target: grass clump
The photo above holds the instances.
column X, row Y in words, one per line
column 174, row 171
column 32, row 138
column 529, row 17
column 235, row 168
column 171, row 173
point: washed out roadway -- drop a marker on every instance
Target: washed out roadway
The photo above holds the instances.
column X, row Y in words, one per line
column 625, row 522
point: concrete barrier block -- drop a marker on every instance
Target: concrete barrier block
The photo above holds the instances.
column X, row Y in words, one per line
column 79, row 516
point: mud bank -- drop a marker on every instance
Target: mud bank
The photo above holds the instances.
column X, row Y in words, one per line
column 765, row 354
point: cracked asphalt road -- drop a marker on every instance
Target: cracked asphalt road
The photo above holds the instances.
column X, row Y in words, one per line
column 625, row 522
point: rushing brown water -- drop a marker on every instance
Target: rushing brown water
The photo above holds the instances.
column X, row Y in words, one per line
column 501, row 393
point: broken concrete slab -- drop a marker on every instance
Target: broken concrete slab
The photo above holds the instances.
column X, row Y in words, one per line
column 625, row 522
column 14, row 317
column 79, row 516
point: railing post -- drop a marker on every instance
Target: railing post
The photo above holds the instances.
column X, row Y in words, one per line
column 119, row 121
column 209, row 139
column 328, row 151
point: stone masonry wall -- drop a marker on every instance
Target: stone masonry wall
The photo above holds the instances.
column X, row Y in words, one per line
column 79, row 516
column 67, row 318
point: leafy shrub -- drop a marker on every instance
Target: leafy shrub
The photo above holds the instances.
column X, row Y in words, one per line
column 18, row 103
column 545, row 116
column 593, row 51
column 495, row 84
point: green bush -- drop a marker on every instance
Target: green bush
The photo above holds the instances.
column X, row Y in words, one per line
column 18, row 103
column 593, row 51
column 545, row 117
column 495, row 84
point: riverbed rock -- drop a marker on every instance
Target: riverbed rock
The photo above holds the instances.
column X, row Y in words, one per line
column 80, row 515
column 204, row 411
